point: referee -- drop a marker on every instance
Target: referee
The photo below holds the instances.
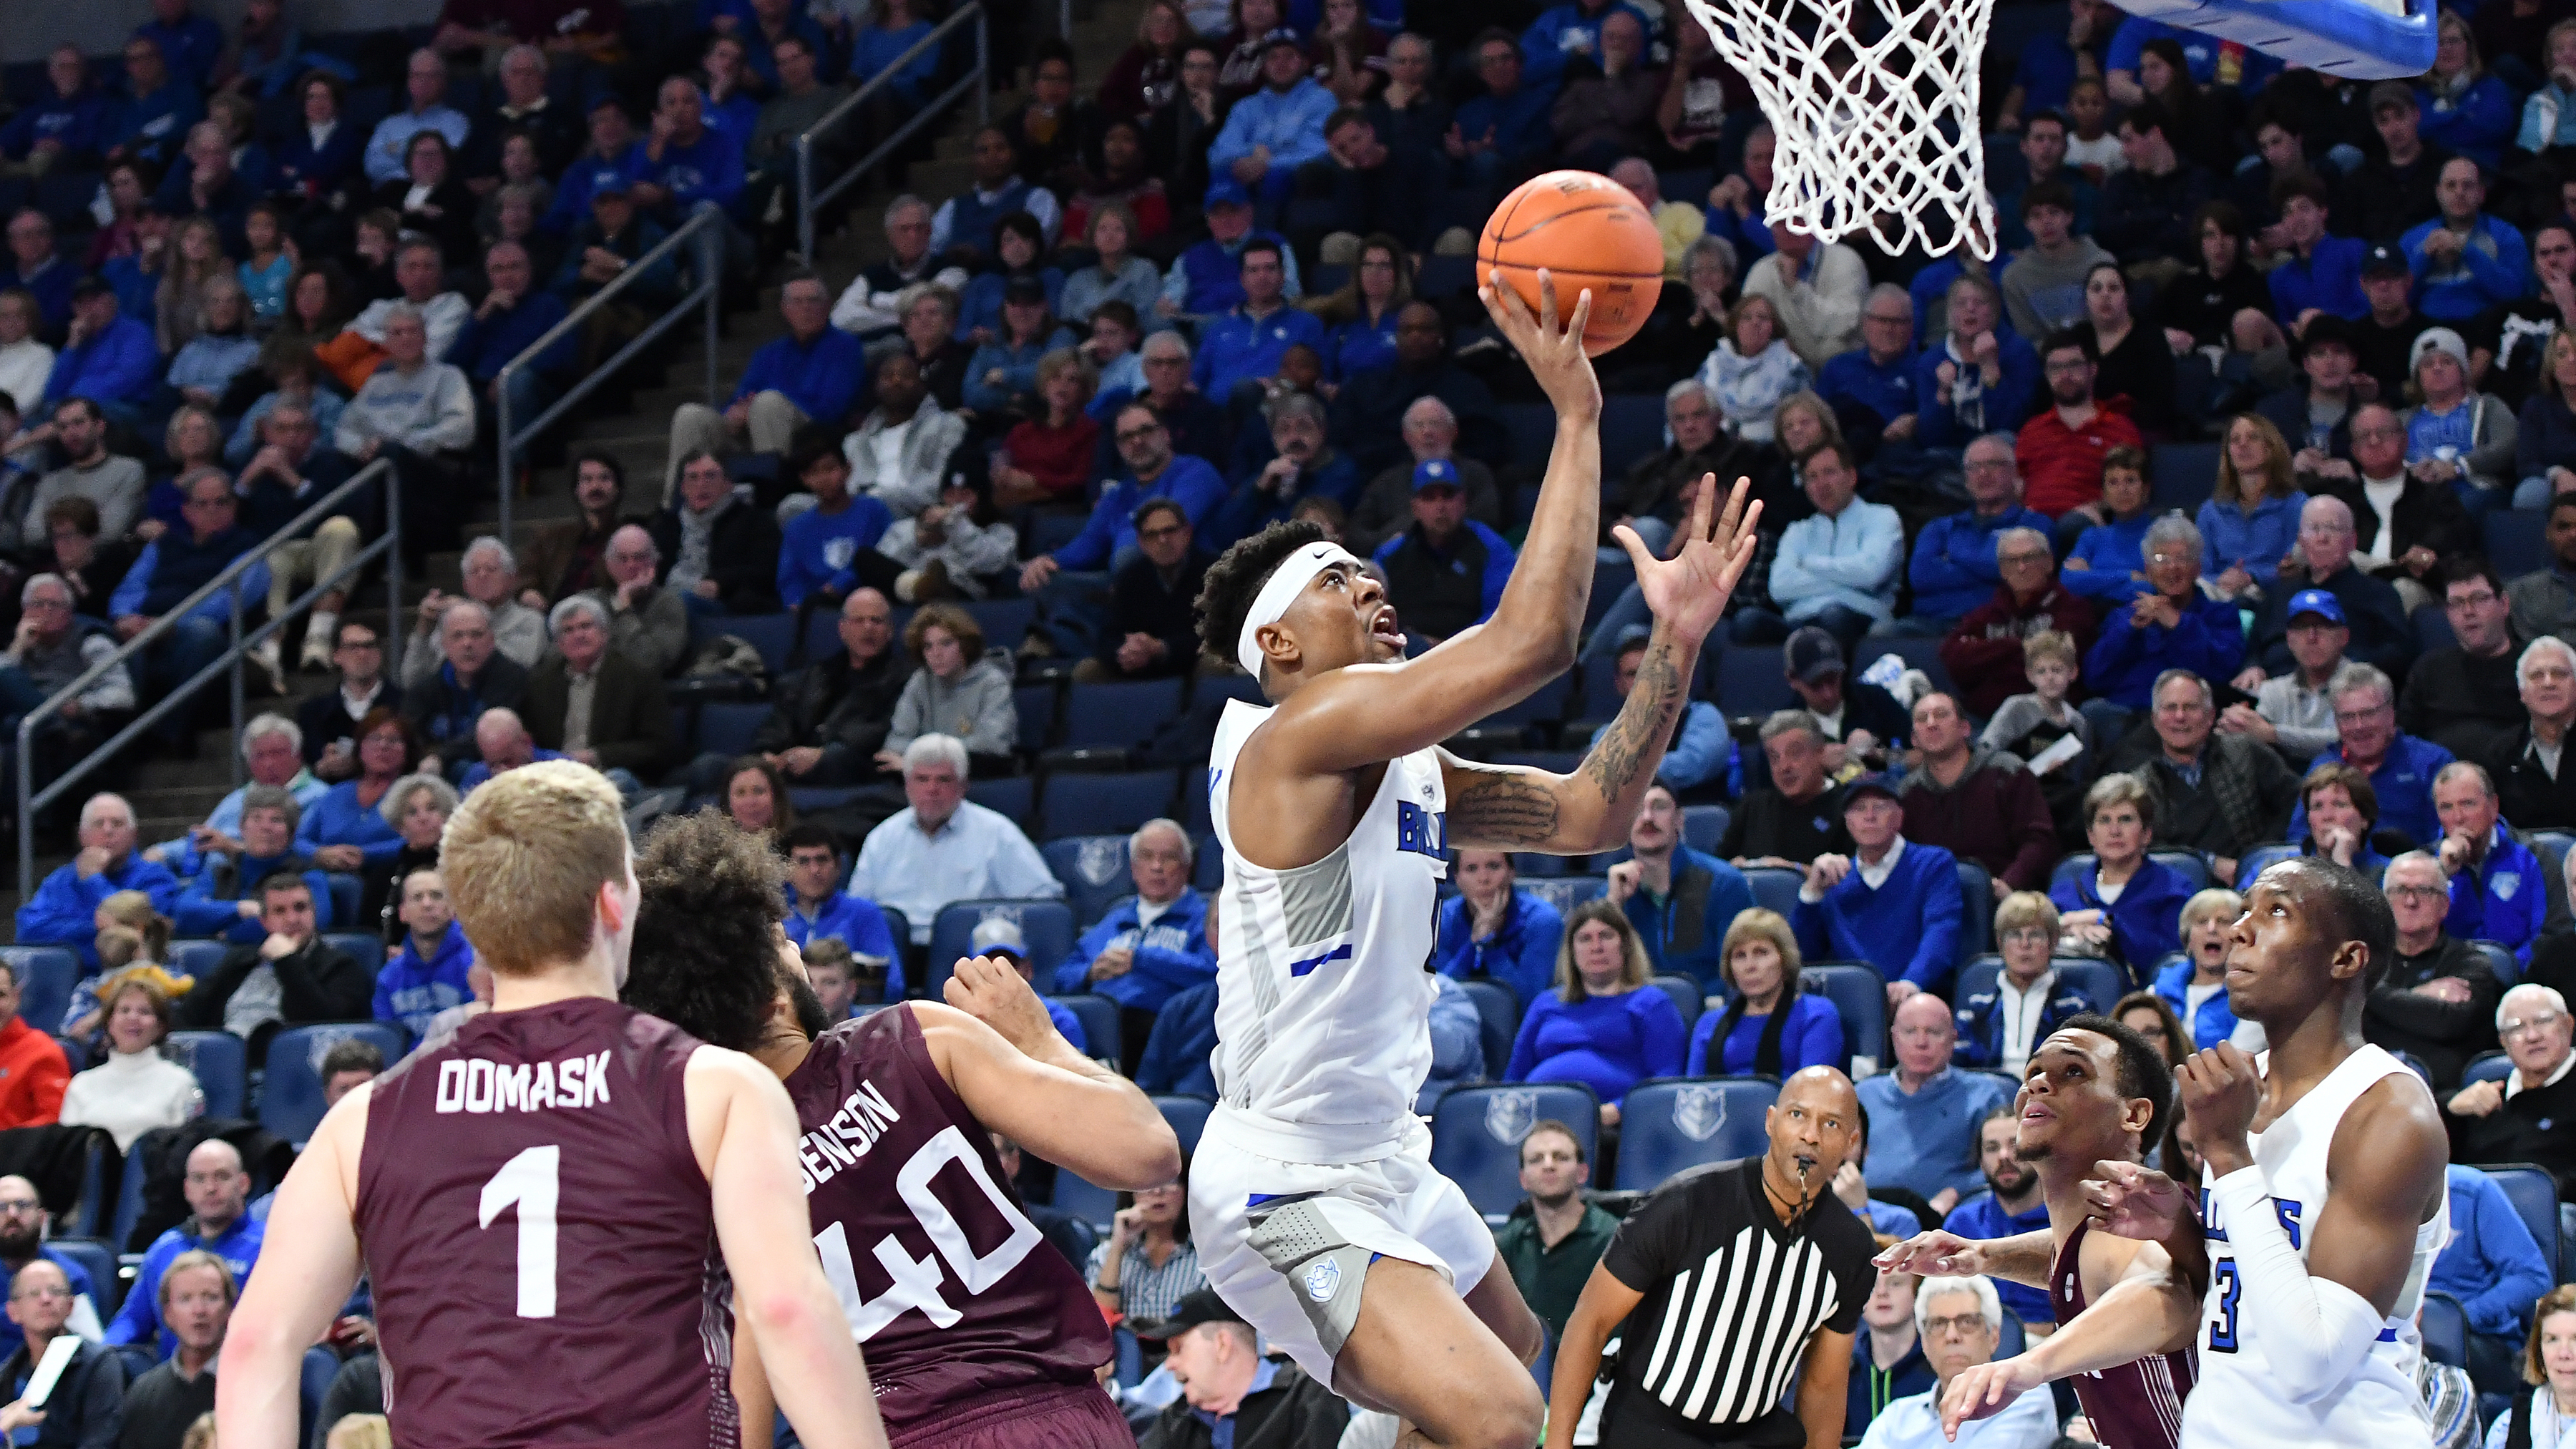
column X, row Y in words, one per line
column 1723, row 1285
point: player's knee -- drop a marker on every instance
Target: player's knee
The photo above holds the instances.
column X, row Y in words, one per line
column 1510, row 1417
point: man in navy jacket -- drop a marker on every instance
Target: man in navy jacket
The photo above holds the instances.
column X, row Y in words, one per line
column 1152, row 945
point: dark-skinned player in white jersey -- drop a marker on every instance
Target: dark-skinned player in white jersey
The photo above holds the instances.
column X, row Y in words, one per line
column 2093, row 1092
column 1313, row 1203
column 979, row 1335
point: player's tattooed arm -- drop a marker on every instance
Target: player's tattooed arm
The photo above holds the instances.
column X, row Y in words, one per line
column 1506, row 808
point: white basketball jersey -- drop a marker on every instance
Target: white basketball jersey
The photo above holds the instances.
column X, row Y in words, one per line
column 1323, row 1005
column 2236, row 1404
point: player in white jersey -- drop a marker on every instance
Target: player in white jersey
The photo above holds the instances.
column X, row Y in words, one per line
column 2322, row 1203
column 1313, row 1203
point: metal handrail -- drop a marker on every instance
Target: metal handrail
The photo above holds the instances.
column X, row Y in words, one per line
column 389, row 547
column 807, row 201
column 706, row 228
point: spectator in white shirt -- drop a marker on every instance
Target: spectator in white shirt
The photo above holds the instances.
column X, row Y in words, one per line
column 946, row 848
column 1959, row 1321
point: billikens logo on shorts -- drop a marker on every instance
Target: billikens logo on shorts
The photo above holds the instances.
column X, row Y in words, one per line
column 1323, row 1280
column 1421, row 832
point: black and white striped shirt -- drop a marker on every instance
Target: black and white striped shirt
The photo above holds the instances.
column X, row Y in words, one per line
column 1731, row 1300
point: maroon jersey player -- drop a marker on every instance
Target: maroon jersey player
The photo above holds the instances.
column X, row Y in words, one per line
column 978, row 1334
column 549, row 1205
column 2094, row 1092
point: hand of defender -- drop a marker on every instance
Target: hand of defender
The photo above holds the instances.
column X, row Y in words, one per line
column 1554, row 352
column 1984, row 1391
column 990, row 990
column 1935, row 1254
column 1689, row 590
column 2131, row 1201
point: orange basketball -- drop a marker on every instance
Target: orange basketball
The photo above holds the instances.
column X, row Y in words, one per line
column 1589, row 232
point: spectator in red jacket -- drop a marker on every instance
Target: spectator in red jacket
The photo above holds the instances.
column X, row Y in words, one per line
column 1983, row 653
column 33, row 1073
column 2060, row 450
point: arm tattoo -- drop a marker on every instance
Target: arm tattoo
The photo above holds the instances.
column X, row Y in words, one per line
column 1644, row 727
column 1505, row 807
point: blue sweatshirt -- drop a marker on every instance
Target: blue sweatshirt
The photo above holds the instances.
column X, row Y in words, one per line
column 410, row 991
column 821, row 377
column 859, row 925
column 2503, row 900
column 484, row 346
column 1982, row 1022
column 2000, row 408
column 139, row 1320
column 73, row 121
column 1164, row 959
column 1608, row 1043
column 1289, row 122
column 2111, row 552
column 1237, row 348
column 815, row 550
column 147, row 591
column 1521, row 953
column 2146, row 922
column 2208, row 640
column 583, row 179
column 1178, row 1053
column 2491, row 1263
column 1018, row 364
column 2404, row 782
column 1685, row 931
column 1189, row 480
column 1954, row 569
column 2215, row 1022
column 1886, row 389
column 2494, row 267
column 120, row 365
column 1518, row 123
column 1811, row 1037
column 1981, row 1218
column 2230, row 536
column 1564, row 31
column 205, row 909
column 64, row 910
column 338, row 819
column 1926, row 1140
column 1908, row 928
column 2329, row 280
column 710, row 169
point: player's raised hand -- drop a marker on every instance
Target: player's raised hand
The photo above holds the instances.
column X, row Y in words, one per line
column 2133, row 1201
column 1985, row 1390
column 990, row 990
column 1935, row 1254
column 1689, row 590
column 1550, row 342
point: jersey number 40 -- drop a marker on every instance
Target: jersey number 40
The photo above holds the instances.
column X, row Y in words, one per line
column 917, row 1281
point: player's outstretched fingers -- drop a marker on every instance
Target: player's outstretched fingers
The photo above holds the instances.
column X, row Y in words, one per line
column 1548, row 310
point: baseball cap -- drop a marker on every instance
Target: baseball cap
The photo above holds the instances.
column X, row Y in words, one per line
column 1435, row 473
column 2437, row 339
column 1226, row 191
column 1279, row 37
column 610, row 181
column 1812, row 654
column 2318, row 602
column 2383, row 260
column 1024, row 289
column 1195, row 1308
column 1870, row 785
column 1000, row 936
column 2391, row 93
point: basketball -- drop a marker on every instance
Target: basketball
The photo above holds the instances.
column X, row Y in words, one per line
column 1589, row 232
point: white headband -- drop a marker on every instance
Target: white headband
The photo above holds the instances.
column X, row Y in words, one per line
column 1280, row 590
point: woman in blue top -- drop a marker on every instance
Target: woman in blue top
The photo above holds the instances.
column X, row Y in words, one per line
column 1119, row 273
column 1771, row 1027
column 2195, row 987
column 2252, row 516
column 2174, row 626
column 1603, row 1025
column 1359, row 316
column 881, row 42
column 2464, row 108
column 1493, row 929
column 343, row 830
column 2342, row 811
column 2127, row 904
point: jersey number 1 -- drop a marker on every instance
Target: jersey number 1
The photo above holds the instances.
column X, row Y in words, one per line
column 533, row 1181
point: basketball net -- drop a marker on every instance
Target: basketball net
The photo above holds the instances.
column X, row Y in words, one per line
column 1876, row 135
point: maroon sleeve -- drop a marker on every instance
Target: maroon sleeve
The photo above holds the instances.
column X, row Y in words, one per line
column 2033, row 831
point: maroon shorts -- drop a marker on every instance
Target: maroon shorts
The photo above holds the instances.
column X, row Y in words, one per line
column 1056, row 1416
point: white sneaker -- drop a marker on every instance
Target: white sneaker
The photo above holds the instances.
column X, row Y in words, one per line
column 264, row 654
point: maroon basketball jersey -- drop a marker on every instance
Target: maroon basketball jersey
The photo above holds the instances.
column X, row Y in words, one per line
column 952, row 1292
column 2137, row 1405
column 541, row 1239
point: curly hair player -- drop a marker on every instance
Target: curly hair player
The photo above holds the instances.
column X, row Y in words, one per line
column 2323, row 1201
column 1312, row 1197
column 564, row 1187
column 978, row 1334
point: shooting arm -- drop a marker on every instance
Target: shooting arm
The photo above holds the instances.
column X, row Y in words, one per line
column 1511, row 808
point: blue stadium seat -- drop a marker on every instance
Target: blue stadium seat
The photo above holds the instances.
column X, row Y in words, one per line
column 1500, row 1009
column 1565, row 892
column 2181, row 475
column 1686, row 995
column 1446, row 276
column 728, row 729
column 1553, row 762
column 2518, row 541
column 364, row 947
column 221, row 1063
column 2261, row 858
column 1194, row 801
column 195, row 958
column 2535, row 1198
column 2098, row 982
column 290, row 1102
column 1085, row 804
column 2493, row 1066
column 1035, row 705
column 1609, row 581
column 1750, row 680
column 2446, row 1330
column 1207, row 864
column 1703, row 826
column 2500, row 961
column 1531, row 427
column 1775, row 887
column 1476, row 1134
column 1859, row 995
column 99, row 1261
column 45, row 975
column 1187, row 1115
column 1012, row 795
column 1531, row 864
column 2416, row 1065
column 1094, row 871
column 1099, row 1017
column 129, row 1202
column 1046, row 925
column 774, row 635
column 2432, row 629
column 2186, row 863
column 1005, row 622
column 1632, row 425
column 2552, row 843
column 1675, row 1123
column 1118, row 716
column 1976, row 910
column 1078, row 1197
column 346, row 890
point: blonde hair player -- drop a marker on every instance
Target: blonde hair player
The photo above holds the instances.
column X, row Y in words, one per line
column 566, row 1183
column 1312, row 1198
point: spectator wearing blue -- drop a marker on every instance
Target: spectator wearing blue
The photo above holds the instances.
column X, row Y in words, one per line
column 2001, row 1025
column 2173, row 626
column 2011, row 1205
column 1207, row 279
column 156, row 112
column 1002, row 376
column 429, row 974
column 2108, row 563
column 2195, row 988
column 945, row 848
column 1978, row 377
column 1493, row 930
column 2322, row 272
column 1836, row 568
column 961, row 229
column 2465, row 260
column 2499, row 887
column 1447, row 571
column 1604, row 1024
column 1180, row 1054
column 223, row 901
column 109, row 359
column 272, row 754
column 830, row 548
column 1563, row 32
column 1771, row 1026
column 191, row 43
column 2466, row 109
column 170, row 569
column 502, row 743
column 217, row 1188
column 1457, row 1045
column 811, row 375
column 2381, row 635
column 1153, row 945
column 1001, row 936
column 1019, row 251
column 686, row 161
column 64, row 910
column 1871, row 387
column 2252, row 515
column 514, row 315
column 1242, row 347
column 1891, row 903
column 1695, row 764
column 818, row 910
column 2492, row 1266
column 425, row 109
column 1924, row 1115
column 1307, row 466
column 1506, row 132
column 2127, row 905
column 2200, row 57
column 62, row 126
column 34, row 265
column 876, row 46
column 1276, row 129
column 613, row 158
column 1153, row 471
column 1679, row 900
column 1954, row 568
column 2401, row 767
